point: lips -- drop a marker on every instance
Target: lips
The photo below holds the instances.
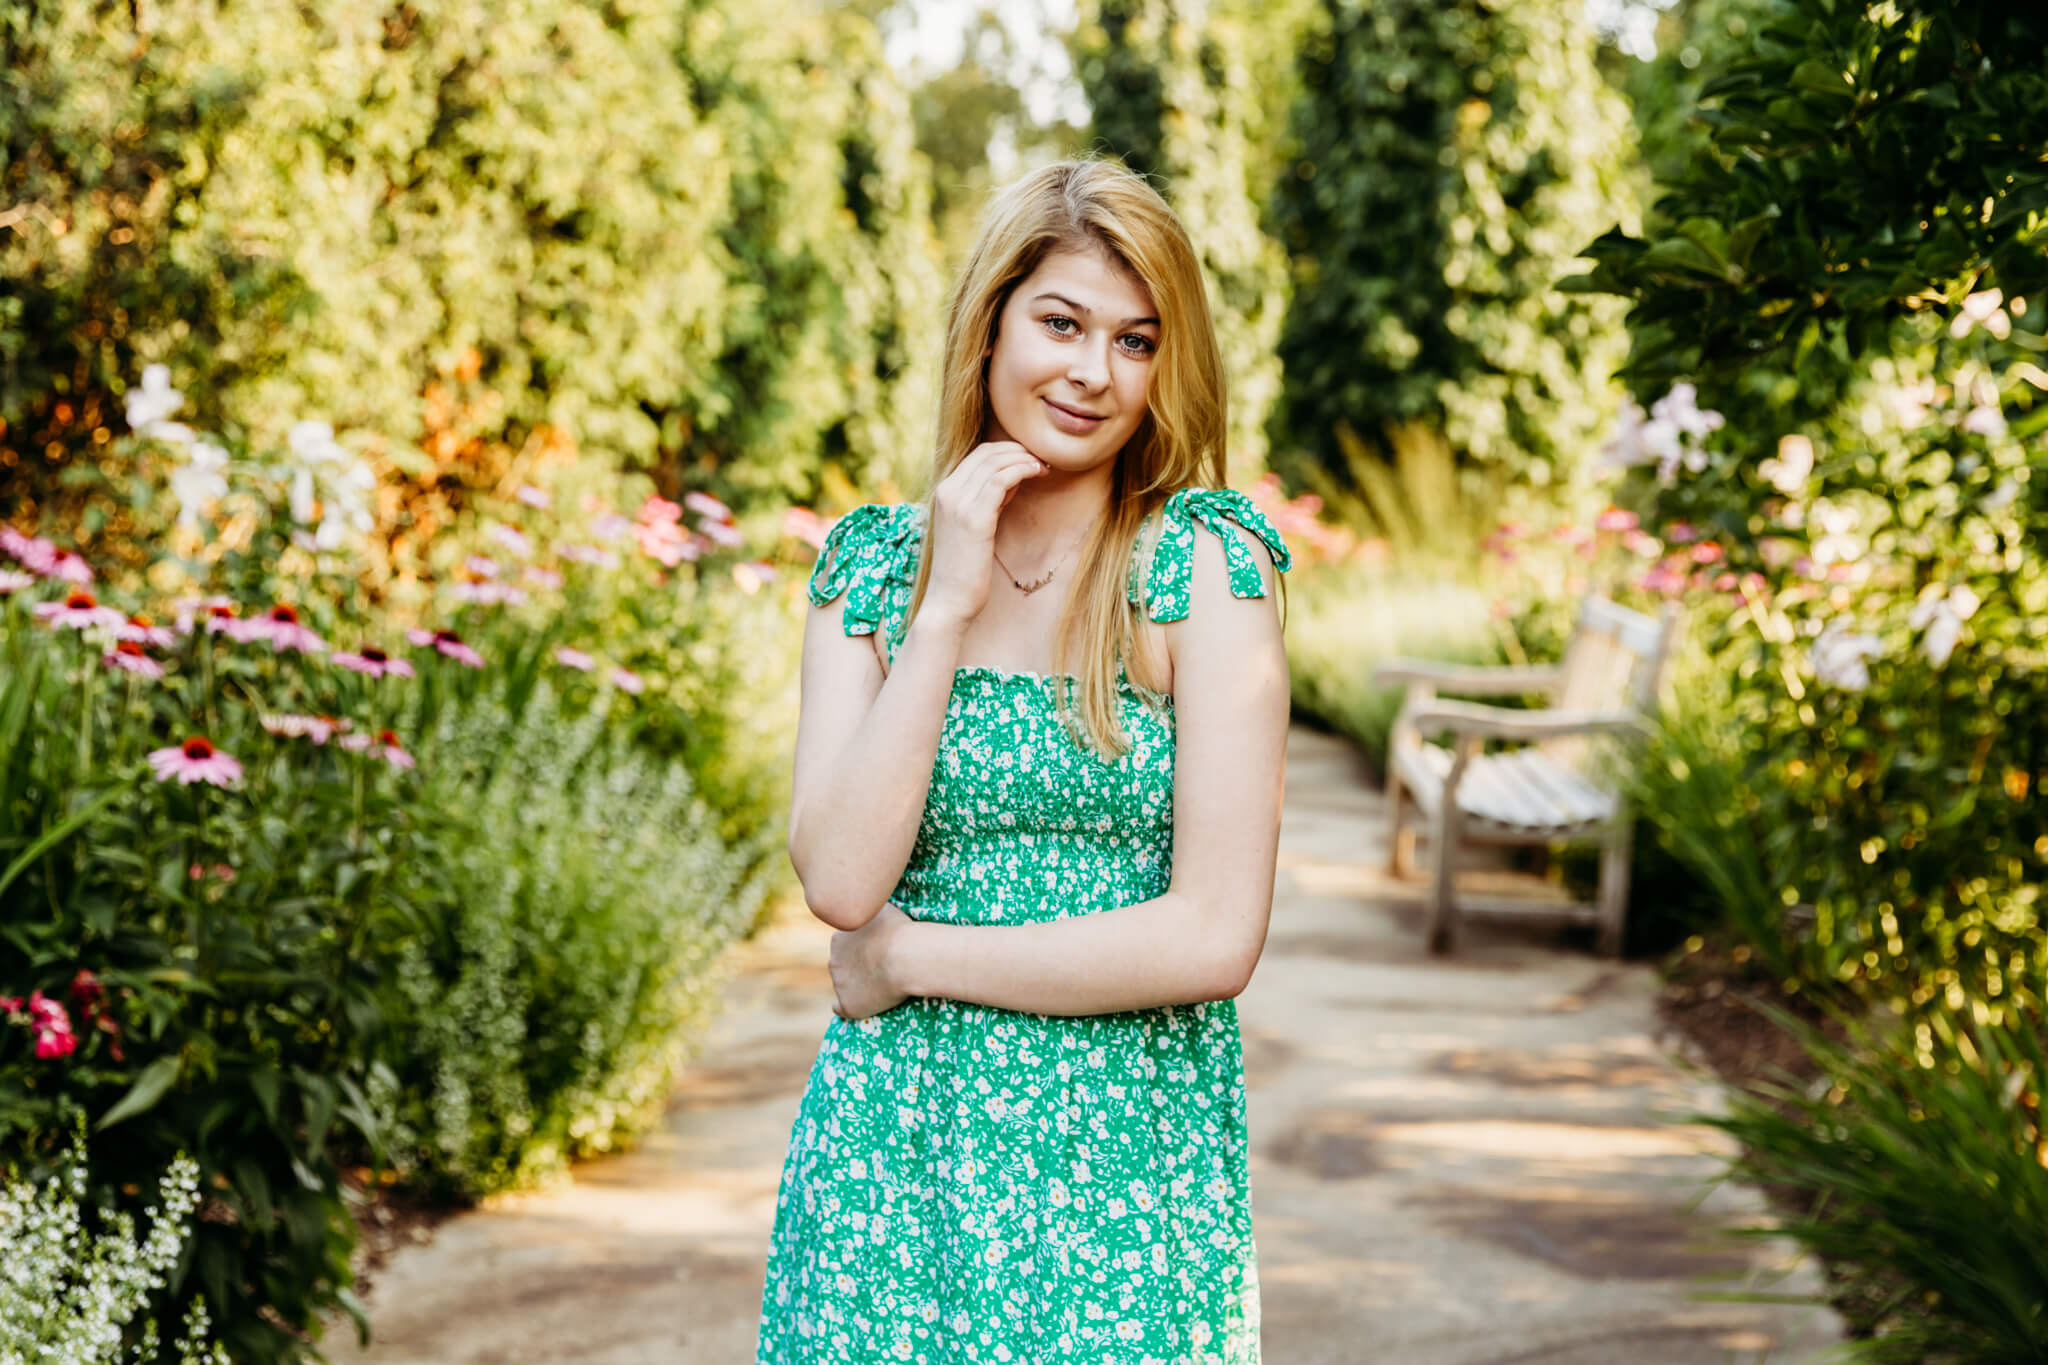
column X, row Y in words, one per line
column 1067, row 419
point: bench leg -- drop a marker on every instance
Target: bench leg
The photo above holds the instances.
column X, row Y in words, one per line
column 1400, row 839
column 1442, row 925
column 1614, row 861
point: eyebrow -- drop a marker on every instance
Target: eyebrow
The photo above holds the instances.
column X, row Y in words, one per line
column 1084, row 308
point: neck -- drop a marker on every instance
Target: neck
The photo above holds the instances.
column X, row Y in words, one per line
column 1051, row 513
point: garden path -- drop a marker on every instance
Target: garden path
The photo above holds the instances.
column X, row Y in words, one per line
column 1472, row 1161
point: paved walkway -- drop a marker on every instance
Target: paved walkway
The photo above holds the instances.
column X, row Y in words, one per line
column 1469, row 1161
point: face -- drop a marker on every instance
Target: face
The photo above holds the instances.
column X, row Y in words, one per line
column 1072, row 360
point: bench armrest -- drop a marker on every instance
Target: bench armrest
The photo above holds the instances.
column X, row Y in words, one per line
column 1502, row 722
column 1477, row 680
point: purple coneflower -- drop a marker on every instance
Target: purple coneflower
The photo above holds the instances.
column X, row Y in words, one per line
column 482, row 566
column 128, row 655
column 705, row 505
column 628, row 681
column 574, row 658
column 488, row 593
column 536, row 498
column 196, row 760
column 14, row 580
column 724, row 532
column 610, row 526
column 138, row 630
column 319, row 729
column 71, row 568
column 374, row 662
column 221, row 620
column 1616, row 519
column 448, row 643
column 588, row 554
column 385, row 745
column 34, row 553
column 545, row 579
column 81, row 611
column 280, row 625
column 513, row 539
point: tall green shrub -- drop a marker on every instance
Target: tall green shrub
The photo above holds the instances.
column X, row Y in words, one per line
column 1449, row 161
column 695, row 234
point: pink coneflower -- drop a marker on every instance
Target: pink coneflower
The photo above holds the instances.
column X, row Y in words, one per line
column 658, row 509
column 663, row 540
column 220, row 872
column 280, row 625
column 806, row 526
column 196, row 760
column 723, row 532
column 481, row 566
column 1571, row 535
column 34, row 553
column 488, row 593
column 588, row 554
column 628, row 681
column 80, row 611
column 71, row 568
column 1664, row 580
column 373, row 662
column 1681, row 533
column 448, row 643
column 319, row 729
column 547, row 580
column 536, row 498
column 14, row 580
column 705, row 505
column 221, row 620
column 1641, row 543
column 611, row 526
column 385, row 745
column 1707, row 552
column 129, row 656
column 513, row 539
column 138, row 630
column 574, row 658
column 1616, row 519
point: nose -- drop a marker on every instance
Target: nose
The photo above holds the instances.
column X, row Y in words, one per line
column 1088, row 365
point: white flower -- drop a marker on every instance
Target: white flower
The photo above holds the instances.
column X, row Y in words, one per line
column 1670, row 435
column 1940, row 617
column 1834, row 534
column 1791, row 467
column 1837, row 657
column 330, row 483
column 199, row 481
column 2001, row 496
column 1987, row 420
column 1981, row 309
column 152, row 401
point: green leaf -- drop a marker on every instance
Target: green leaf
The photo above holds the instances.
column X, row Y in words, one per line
column 149, row 1088
column 53, row 837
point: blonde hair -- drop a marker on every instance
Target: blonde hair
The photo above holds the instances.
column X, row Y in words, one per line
column 1101, row 206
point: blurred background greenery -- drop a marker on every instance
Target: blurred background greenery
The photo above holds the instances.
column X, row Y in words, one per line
column 610, row 306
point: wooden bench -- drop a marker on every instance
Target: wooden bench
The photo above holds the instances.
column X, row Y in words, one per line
column 1559, row 787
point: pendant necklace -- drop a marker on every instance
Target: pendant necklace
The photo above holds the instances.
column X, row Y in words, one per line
column 1028, row 588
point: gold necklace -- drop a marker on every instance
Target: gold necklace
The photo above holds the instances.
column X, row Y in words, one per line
column 1028, row 588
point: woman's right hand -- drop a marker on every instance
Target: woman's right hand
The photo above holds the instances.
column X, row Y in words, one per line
column 965, row 509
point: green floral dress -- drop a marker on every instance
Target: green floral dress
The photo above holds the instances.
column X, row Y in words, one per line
column 969, row 1184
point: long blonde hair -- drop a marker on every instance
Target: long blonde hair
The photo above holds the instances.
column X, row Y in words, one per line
column 1092, row 205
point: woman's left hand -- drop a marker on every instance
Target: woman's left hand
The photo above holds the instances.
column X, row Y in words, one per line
column 862, row 980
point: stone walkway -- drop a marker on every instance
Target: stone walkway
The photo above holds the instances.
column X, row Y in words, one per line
column 1464, row 1161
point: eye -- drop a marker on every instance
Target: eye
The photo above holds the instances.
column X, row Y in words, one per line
column 1145, row 346
column 1059, row 318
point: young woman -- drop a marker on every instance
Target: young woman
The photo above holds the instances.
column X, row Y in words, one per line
column 1037, row 790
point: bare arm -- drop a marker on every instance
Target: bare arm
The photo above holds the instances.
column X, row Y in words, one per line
column 1202, row 938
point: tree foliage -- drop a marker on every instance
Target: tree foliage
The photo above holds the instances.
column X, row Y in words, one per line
column 1448, row 163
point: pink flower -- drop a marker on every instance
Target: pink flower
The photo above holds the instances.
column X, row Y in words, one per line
column 753, row 575
column 80, row 611
column 725, row 533
column 1725, row 583
column 705, row 505
column 1641, row 543
column 87, row 991
column 34, row 553
column 573, row 658
column 280, row 625
column 319, row 729
column 196, row 760
column 1571, row 535
column 220, row 872
column 481, row 566
column 1615, row 519
column 545, row 579
column 52, row 1024
column 628, row 681
column 611, row 526
column 588, row 554
column 139, row 630
column 14, row 580
column 806, row 526
column 663, row 540
column 129, row 656
column 1663, row 579
column 536, row 498
column 513, row 539
column 448, row 643
column 1681, row 533
column 71, row 568
column 487, row 593
column 658, row 509
column 385, row 745
column 221, row 620
column 1707, row 552
column 374, row 663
